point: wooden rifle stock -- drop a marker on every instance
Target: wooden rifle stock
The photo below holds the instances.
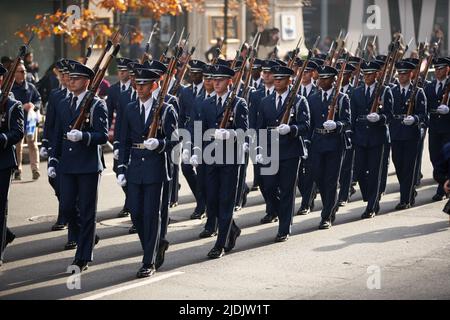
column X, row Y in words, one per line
column 85, row 104
column 177, row 84
column 293, row 93
column 334, row 103
column 415, row 87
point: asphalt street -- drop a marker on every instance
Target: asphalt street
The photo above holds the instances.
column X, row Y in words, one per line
column 396, row 255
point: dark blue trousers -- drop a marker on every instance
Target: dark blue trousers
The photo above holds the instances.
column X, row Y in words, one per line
column 436, row 142
column 80, row 191
column 221, row 186
column 5, row 181
column 346, row 178
column 418, row 173
column 280, row 190
column 369, row 165
column 211, row 218
column 242, row 185
column 305, row 181
column 145, row 207
column 326, row 171
column 192, row 178
column 175, row 183
column 404, row 156
column 385, row 168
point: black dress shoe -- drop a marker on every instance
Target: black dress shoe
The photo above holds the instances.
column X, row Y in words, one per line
column 173, row 204
column 216, row 253
column 325, row 224
column 268, row 219
column 207, row 234
column 59, row 226
column 281, row 238
column 342, row 203
column 132, row 230
column 81, row 264
column 368, row 215
column 438, row 197
column 303, row 211
column 198, row 215
column 402, row 206
column 146, row 271
column 124, row 213
column 163, row 246
column 70, row 245
column 234, row 233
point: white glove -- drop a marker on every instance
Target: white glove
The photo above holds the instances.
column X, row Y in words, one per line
column 74, row 135
column 194, row 160
column 259, row 158
column 185, row 155
column 409, row 120
column 116, row 154
column 245, row 147
column 222, row 134
column 284, row 129
column 43, row 152
column 442, row 109
column 51, row 172
column 151, row 144
column 121, row 181
column 373, row 117
column 329, row 125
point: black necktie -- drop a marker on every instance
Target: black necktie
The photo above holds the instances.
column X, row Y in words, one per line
column 280, row 103
column 325, row 97
column 255, row 84
column 123, row 87
column 208, row 96
column 439, row 91
column 73, row 105
column 403, row 94
column 368, row 94
column 267, row 93
column 219, row 102
column 305, row 93
column 195, row 91
column 143, row 115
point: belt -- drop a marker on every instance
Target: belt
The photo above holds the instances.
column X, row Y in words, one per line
column 362, row 118
column 138, row 146
column 272, row 128
column 324, row 131
column 400, row 116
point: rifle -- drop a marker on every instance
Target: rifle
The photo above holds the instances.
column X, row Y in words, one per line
column 85, row 105
column 415, row 87
column 341, row 51
column 163, row 92
column 295, row 52
column 293, row 93
column 89, row 52
column 332, row 50
column 358, row 68
column 446, row 96
column 334, row 103
column 393, row 47
column 398, row 57
column 109, row 45
column 164, row 54
column 219, row 52
column 430, row 59
column 178, row 81
column 253, row 52
column 8, row 80
column 228, row 110
column 146, row 54
column 316, row 44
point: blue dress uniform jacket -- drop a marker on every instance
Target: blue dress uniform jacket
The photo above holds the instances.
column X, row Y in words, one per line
column 11, row 132
column 187, row 105
column 55, row 96
column 319, row 112
column 365, row 133
column 438, row 123
column 290, row 145
column 399, row 131
column 135, row 162
column 84, row 156
column 125, row 99
column 112, row 102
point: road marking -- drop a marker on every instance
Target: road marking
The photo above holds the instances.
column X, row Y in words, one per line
column 132, row 286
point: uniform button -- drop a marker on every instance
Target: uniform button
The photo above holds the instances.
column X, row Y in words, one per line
column 70, row 149
column 143, row 159
column 367, row 127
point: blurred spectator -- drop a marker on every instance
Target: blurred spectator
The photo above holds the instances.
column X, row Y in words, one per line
column 49, row 81
column 214, row 51
column 27, row 93
column 438, row 34
column 32, row 68
column 324, row 46
column 6, row 61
